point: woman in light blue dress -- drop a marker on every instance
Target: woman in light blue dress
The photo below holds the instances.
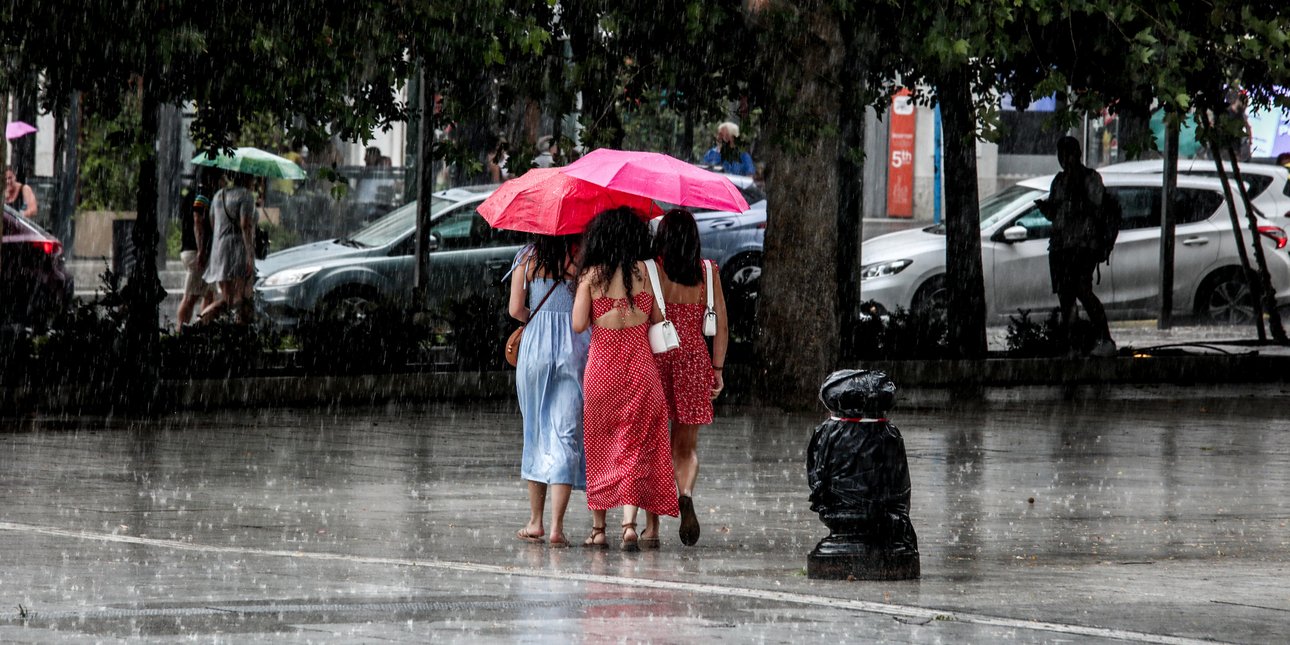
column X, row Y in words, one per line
column 548, row 381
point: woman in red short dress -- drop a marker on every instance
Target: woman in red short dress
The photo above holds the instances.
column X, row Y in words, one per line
column 691, row 376
column 624, row 409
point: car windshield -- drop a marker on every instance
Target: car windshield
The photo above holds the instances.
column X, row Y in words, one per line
column 395, row 224
column 997, row 206
column 1000, row 204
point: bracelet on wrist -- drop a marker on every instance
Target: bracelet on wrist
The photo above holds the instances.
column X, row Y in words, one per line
column 718, row 367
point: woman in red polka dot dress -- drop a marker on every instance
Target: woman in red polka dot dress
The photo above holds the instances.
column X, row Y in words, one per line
column 691, row 376
column 624, row 410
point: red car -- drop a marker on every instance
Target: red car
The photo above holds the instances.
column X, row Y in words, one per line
column 34, row 283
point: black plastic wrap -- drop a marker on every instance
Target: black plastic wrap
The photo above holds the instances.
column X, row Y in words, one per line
column 857, row 470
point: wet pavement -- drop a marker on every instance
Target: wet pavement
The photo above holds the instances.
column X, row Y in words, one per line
column 1160, row 520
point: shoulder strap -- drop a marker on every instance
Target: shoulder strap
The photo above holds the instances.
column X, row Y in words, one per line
column 223, row 201
column 658, row 293
column 707, row 270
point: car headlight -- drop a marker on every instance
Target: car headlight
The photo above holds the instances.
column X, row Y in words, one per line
column 290, row 276
column 880, row 269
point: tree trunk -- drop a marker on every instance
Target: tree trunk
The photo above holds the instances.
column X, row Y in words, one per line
column 62, row 207
column 143, row 293
column 1241, row 251
column 596, row 76
column 425, row 187
column 1165, row 319
column 798, row 309
column 851, row 160
column 964, row 281
column 1264, row 279
column 170, row 169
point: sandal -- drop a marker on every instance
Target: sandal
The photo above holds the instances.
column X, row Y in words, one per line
column 591, row 543
column 524, row 536
column 558, row 542
column 648, row 542
column 629, row 545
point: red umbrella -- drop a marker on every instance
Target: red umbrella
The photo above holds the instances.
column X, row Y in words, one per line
column 658, row 176
column 549, row 202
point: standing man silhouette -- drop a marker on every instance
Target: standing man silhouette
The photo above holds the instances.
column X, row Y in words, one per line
column 1074, row 206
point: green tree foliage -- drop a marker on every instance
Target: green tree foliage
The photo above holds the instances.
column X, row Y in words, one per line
column 326, row 68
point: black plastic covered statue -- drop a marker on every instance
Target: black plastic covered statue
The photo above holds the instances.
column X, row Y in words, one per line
column 859, row 481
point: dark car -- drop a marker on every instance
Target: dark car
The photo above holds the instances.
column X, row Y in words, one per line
column 34, row 282
column 377, row 263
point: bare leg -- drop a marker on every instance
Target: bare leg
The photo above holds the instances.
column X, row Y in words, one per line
column 651, row 526
column 685, row 457
column 597, row 537
column 537, row 504
column 185, row 314
column 559, row 504
column 242, row 301
column 630, row 536
column 214, row 309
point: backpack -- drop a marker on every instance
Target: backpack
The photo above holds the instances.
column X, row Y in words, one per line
column 1108, row 220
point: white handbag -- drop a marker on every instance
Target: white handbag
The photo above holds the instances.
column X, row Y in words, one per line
column 709, row 315
column 662, row 336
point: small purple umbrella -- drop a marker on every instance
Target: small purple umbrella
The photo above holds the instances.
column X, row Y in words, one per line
column 17, row 129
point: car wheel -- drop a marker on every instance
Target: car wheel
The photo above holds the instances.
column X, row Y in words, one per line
column 931, row 296
column 740, row 278
column 1225, row 299
column 348, row 304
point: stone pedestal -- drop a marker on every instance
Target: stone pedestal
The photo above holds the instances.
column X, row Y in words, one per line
column 839, row 558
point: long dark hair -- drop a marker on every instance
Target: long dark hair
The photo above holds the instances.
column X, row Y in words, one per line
column 616, row 240
column 551, row 254
column 677, row 243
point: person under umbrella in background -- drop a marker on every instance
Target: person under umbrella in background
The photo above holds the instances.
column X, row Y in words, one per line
column 625, row 411
column 548, row 380
column 691, row 376
column 232, row 262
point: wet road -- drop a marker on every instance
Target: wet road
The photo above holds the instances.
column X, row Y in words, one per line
column 1151, row 521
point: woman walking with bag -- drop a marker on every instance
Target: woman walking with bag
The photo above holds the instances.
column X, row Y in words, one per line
column 691, row 377
column 232, row 262
column 628, row 461
column 548, row 381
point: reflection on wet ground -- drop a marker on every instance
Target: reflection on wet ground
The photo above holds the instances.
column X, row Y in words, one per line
column 1150, row 520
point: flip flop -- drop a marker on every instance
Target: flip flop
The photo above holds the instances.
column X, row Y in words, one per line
column 524, row 536
column 559, row 543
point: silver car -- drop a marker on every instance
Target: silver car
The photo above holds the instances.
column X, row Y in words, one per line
column 907, row 269
column 1267, row 183
column 377, row 264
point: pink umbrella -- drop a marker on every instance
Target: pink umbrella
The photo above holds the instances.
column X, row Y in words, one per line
column 658, row 176
column 17, row 129
column 549, row 202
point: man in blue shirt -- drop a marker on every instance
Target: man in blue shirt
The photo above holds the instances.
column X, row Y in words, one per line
column 727, row 154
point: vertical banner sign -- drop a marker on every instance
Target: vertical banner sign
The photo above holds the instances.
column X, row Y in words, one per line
column 900, row 164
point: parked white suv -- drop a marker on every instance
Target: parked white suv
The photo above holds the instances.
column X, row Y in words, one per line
column 907, row 269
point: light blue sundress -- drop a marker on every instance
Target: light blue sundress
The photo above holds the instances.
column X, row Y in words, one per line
column 548, row 381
